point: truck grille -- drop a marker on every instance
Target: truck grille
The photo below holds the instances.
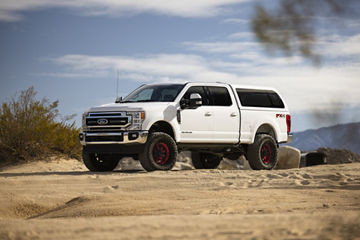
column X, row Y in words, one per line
column 105, row 121
column 121, row 121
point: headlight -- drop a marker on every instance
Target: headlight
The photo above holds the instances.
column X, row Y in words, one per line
column 83, row 122
column 137, row 120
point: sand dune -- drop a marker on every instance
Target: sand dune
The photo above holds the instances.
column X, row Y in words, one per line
column 61, row 200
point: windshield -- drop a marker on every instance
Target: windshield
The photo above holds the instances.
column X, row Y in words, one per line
column 155, row 93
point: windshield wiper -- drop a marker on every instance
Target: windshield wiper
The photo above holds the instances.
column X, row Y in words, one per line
column 147, row 100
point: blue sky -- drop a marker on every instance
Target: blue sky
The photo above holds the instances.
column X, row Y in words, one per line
column 72, row 51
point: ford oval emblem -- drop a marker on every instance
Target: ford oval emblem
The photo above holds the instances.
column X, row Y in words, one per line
column 102, row 121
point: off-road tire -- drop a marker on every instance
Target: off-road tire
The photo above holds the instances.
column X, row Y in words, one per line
column 262, row 154
column 202, row 160
column 100, row 162
column 160, row 152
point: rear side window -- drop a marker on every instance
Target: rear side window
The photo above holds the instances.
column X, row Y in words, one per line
column 259, row 98
column 220, row 96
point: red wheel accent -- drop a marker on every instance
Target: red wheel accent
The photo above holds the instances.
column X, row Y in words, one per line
column 161, row 153
column 266, row 153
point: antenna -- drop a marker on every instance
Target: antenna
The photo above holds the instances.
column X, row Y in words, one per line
column 117, row 84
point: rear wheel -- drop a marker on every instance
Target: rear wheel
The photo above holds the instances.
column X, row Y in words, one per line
column 262, row 154
column 160, row 152
column 202, row 160
column 100, row 162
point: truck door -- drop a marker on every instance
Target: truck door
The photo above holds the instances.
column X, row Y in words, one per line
column 226, row 115
column 197, row 124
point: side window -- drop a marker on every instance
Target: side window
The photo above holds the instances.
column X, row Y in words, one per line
column 259, row 98
column 197, row 89
column 220, row 96
column 276, row 100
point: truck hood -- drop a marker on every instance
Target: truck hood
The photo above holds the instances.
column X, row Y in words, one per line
column 120, row 107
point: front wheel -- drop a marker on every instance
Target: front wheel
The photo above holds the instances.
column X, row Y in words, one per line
column 100, row 162
column 160, row 152
column 262, row 154
column 202, row 160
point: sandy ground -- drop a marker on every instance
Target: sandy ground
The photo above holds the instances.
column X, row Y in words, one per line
column 61, row 200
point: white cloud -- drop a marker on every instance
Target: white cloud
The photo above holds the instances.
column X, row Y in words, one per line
column 236, row 20
column 329, row 46
column 162, row 67
column 143, row 69
column 10, row 10
column 221, row 47
column 336, row 45
column 246, row 51
column 241, row 35
column 90, row 74
column 9, row 16
column 161, row 64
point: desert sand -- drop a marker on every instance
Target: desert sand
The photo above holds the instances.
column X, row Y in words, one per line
column 59, row 199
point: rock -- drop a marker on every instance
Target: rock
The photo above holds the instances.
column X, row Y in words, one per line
column 312, row 159
column 288, row 157
column 240, row 163
column 338, row 156
column 184, row 157
column 128, row 163
column 244, row 163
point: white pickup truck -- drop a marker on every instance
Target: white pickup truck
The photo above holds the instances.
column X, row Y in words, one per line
column 212, row 120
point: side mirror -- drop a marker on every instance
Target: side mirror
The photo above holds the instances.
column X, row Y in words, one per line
column 118, row 100
column 195, row 100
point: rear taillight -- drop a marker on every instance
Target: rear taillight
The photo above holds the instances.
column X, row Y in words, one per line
column 288, row 123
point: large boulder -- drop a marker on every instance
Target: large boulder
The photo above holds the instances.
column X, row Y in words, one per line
column 288, row 157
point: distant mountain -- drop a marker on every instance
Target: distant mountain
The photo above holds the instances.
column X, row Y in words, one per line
column 344, row 136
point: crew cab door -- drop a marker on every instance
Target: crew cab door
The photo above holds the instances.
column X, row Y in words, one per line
column 196, row 124
column 225, row 114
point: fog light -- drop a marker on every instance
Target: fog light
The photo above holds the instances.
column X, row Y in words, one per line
column 133, row 136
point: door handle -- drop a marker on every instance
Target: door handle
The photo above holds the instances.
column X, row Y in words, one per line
column 233, row 114
column 208, row 114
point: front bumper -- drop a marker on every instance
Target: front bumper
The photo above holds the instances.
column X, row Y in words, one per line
column 87, row 138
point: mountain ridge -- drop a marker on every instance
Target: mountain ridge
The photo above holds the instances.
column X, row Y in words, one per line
column 340, row 136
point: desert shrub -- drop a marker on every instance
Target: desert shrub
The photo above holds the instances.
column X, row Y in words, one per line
column 29, row 128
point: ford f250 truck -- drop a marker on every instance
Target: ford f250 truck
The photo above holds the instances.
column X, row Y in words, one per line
column 212, row 120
